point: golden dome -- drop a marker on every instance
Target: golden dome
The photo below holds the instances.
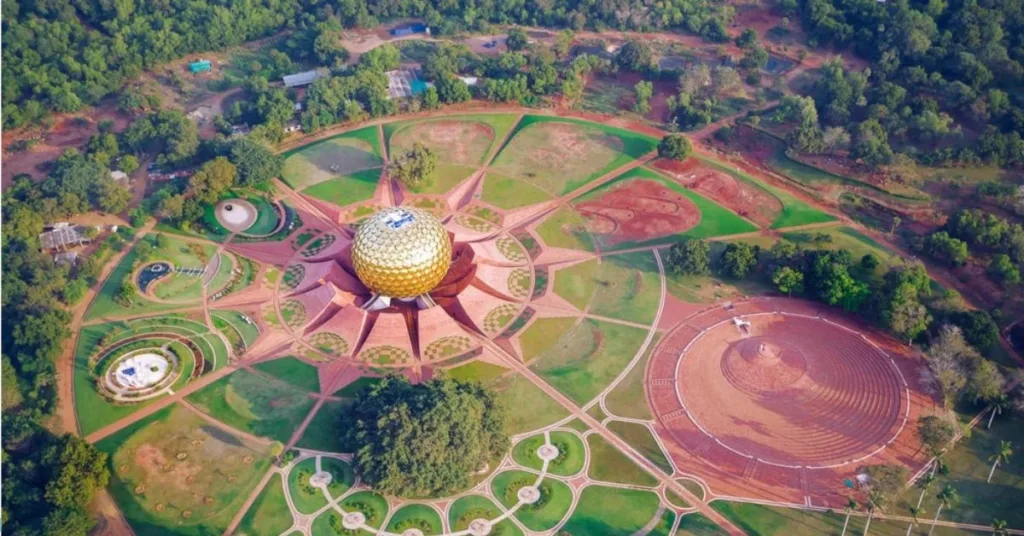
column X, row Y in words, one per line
column 401, row 252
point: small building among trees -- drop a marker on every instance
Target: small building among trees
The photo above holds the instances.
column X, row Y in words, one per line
column 64, row 235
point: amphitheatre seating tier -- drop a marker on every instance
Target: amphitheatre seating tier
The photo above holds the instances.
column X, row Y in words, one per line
column 842, row 401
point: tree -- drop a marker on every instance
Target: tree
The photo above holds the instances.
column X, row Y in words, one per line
column 936, row 433
column 738, row 259
column 788, row 280
column 386, row 57
column 1004, row 271
column 1001, row 456
column 425, row 439
column 748, row 39
column 903, row 314
column 516, row 39
column 949, row 360
column 563, row 43
column 835, row 138
column 452, row 90
column 986, row 381
column 111, row 197
column 635, row 55
column 998, row 405
column 999, row 527
column 871, row 144
column 415, row 166
column 128, row 163
column 212, row 180
column 886, row 482
column 946, row 248
column 643, row 92
column 689, row 257
column 430, row 99
column 948, row 497
column 75, row 470
column 11, row 392
column 675, row 147
column 978, row 328
column 255, row 163
column 851, row 506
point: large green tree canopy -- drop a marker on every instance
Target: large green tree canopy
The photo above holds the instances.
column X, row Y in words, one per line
column 425, row 439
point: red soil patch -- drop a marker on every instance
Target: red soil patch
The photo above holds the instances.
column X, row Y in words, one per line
column 789, row 407
column 746, row 200
column 638, row 210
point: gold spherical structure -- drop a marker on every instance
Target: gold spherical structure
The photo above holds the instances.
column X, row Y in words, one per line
column 401, row 252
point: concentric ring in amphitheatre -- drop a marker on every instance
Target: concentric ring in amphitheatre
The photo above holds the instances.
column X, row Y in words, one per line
column 791, row 390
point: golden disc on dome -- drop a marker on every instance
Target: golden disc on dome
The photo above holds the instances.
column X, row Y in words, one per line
column 401, row 252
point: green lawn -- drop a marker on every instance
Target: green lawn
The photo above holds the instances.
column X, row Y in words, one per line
column 609, row 465
column 324, row 431
column 248, row 331
column 408, row 132
column 556, row 498
column 715, row 219
column 757, row 520
column 342, row 475
column 93, row 409
column 254, row 403
column 561, row 155
column 373, row 505
column 542, row 334
column 223, row 470
column 565, row 228
column 664, row 527
column 577, row 283
column 640, row 438
column 266, row 217
column 466, row 509
column 223, row 275
column 445, row 177
column 336, row 156
column 507, row 193
column 627, row 399
column 857, row 243
column 292, row 370
column 588, row 358
column 604, row 511
column 570, row 453
column 794, row 211
column 358, row 385
column 629, row 287
column 969, row 465
column 697, row 524
column 269, row 514
column 307, row 498
column 347, row 189
column 527, row 407
column 177, row 252
column 477, row 371
column 416, row 516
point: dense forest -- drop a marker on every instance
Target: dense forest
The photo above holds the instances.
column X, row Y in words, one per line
column 942, row 85
column 61, row 56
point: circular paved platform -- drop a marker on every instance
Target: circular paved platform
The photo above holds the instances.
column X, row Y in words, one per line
column 785, row 388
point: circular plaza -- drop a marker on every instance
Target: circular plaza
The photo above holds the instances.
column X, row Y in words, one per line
column 781, row 385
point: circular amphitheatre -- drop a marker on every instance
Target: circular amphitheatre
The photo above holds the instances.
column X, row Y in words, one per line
column 236, row 215
column 786, row 388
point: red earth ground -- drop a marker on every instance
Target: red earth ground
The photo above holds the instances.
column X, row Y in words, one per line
column 748, row 201
column 637, row 210
column 813, row 396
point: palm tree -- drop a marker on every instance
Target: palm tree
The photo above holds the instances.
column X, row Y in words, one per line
column 851, row 505
column 999, row 527
column 914, row 512
column 926, row 482
column 998, row 405
column 947, row 498
column 871, row 514
column 1003, row 456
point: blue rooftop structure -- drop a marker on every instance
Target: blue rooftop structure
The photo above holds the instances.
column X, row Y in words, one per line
column 409, row 29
